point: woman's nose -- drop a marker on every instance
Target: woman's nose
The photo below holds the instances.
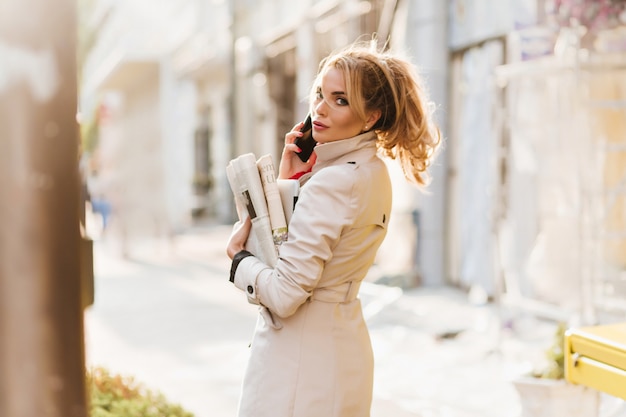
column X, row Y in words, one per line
column 321, row 107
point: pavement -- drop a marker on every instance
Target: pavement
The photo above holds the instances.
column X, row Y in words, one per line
column 166, row 315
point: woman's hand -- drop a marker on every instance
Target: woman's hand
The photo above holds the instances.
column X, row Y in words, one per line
column 290, row 163
column 239, row 237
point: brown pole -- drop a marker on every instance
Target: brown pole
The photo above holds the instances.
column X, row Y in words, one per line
column 41, row 322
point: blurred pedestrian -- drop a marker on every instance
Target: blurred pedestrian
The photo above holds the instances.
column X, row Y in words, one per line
column 100, row 205
column 311, row 353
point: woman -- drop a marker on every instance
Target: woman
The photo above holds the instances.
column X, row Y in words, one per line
column 311, row 354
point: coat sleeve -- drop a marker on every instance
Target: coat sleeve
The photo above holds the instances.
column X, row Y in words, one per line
column 263, row 286
column 322, row 212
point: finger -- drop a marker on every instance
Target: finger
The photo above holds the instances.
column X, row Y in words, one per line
column 247, row 224
column 291, row 136
column 297, row 126
column 309, row 164
column 292, row 147
column 295, row 130
column 238, row 237
column 236, row 228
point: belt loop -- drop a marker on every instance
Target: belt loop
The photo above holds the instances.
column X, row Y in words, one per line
column 348, row 292
column 353, row 290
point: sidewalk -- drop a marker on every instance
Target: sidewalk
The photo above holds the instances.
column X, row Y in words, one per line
column 167, row 317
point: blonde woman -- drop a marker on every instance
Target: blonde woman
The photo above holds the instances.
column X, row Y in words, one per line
column 311, row 354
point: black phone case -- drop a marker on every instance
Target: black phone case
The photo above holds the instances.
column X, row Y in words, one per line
column 306, row 142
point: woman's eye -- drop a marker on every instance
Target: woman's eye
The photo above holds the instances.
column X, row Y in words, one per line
column 341, row 101
column 318, row 94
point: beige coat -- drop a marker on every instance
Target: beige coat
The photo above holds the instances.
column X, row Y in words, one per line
column 311, row 354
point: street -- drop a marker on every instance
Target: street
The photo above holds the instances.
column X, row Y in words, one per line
column 168, row 316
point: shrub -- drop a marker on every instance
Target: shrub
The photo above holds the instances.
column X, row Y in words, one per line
column 119, row 396
column 555, row 356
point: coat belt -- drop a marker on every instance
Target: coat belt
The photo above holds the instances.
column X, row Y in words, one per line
column 343, row 293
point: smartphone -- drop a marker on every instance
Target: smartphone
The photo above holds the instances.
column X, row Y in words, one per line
column 306, row 142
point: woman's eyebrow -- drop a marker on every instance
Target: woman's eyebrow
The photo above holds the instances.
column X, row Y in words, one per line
column 338, row 93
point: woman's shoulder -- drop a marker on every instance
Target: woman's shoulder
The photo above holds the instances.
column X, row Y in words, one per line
column 336, row 175
column 348, row 175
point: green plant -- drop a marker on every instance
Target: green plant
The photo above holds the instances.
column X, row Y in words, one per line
column 119, row 396
column 89, row 131
column 555, row 356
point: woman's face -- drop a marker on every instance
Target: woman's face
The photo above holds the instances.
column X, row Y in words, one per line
column 333, row 117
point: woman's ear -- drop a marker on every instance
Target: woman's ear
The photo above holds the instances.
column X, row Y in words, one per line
column 373, row 118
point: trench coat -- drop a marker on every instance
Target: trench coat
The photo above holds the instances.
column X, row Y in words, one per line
column 311, row 353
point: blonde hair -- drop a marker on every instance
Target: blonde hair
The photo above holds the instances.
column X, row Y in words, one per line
column 381, row 81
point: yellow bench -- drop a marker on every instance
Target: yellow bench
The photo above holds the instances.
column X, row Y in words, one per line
column 595, row 356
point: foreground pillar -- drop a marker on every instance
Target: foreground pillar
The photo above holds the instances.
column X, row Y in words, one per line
column 41, row 326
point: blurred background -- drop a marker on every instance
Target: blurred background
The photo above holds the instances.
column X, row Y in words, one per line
column 528, row 197
column 525, row 218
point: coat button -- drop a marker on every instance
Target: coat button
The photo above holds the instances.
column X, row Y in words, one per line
column 250, row 289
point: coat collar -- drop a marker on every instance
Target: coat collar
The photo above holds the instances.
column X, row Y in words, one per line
column 356, row 149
